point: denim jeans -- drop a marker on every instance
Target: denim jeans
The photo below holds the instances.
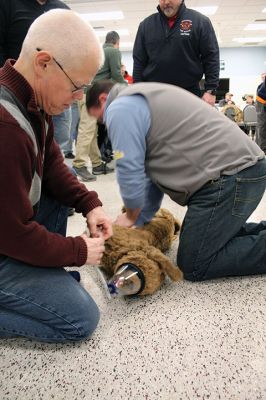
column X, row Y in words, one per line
column 44, row 304
column 62, row 127
column 74, row 123
column 215, row 239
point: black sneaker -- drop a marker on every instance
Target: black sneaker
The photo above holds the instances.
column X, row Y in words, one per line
column 102, row 169
column 69, row 155
column 84, row 174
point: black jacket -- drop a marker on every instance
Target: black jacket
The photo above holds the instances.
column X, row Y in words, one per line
column 180, row 55
column 16, row 16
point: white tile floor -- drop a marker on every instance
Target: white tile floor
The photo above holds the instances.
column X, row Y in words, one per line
column 188, row 341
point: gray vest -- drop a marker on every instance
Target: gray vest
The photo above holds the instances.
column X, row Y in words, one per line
column 12, row 105
column 190, row 142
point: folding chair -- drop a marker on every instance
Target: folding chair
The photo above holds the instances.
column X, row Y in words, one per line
column 250, row 120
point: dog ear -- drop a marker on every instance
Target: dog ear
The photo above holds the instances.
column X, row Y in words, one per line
column 165, row 264
column 167, row 215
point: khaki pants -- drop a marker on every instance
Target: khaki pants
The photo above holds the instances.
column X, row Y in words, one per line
column 86, row 146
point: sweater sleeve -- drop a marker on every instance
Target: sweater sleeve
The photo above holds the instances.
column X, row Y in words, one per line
column 23, row 238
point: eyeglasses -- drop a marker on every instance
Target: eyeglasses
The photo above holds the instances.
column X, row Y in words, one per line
column 77, row 88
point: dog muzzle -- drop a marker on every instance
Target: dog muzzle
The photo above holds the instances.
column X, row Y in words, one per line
column 128, row 280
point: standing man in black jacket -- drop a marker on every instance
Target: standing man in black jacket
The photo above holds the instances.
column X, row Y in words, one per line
column 16, row 16
column 177, row 45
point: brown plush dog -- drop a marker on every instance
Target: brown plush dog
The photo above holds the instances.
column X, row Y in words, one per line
column 144, row 248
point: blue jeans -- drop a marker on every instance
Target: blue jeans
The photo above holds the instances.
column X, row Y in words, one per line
column 44, row 304
column 215, row 239
column 62, row 127
column 74, row 122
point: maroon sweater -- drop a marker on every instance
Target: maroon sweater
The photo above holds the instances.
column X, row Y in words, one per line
column 20, row 236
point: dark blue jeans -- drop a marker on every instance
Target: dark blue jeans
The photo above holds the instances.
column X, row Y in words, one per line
column 45, row 304
column 215, row 239
column 62, row 130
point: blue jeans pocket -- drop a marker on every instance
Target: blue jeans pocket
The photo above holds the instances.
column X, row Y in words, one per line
column 248, row 195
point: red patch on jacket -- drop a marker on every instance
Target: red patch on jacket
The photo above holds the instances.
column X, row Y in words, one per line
column 186, row 25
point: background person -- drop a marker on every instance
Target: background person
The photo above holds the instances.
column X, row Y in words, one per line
column 87, row 144
column 38, row 298
column 73, row 130
column 261, row 114
column 227, row 100
column 177, row 45
column 126, row 75
column 16, row 16
column 216, row 170
column 249, row 99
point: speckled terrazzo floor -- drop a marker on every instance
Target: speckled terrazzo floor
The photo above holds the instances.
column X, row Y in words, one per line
column 188, row 341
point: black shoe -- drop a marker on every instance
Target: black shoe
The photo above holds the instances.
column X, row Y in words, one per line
column 71, row 211
column 69, row 155
column 84, row 174
column 102, row 169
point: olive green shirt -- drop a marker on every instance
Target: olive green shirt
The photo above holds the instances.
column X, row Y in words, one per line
column 111, row 68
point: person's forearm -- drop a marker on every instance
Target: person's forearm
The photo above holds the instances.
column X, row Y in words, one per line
column 153, row 200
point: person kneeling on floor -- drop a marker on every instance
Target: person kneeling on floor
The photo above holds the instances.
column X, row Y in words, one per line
column 38, row 298
column 197, row 156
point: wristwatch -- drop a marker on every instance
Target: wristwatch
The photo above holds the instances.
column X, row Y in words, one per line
column 212, row 91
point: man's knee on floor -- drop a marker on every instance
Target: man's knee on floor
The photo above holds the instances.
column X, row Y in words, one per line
column 190, row 271
column 192, row 277
column 84, row 324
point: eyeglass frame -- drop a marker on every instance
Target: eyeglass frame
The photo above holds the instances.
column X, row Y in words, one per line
column 77, row 88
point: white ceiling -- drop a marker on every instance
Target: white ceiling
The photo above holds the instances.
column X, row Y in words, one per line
column 229, row 21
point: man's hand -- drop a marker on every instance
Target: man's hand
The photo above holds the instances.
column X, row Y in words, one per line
column 99, row 224
column 209, row 98
column 95, row 249
column 123, row 220
column 128, row 218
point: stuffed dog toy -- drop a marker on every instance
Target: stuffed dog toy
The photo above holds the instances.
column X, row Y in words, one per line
column 143, row 247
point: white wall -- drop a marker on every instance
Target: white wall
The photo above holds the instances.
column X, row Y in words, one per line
column 127, row 60
column 242, row 65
